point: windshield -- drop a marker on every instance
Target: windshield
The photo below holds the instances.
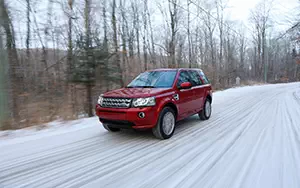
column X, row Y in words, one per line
column 154, row 79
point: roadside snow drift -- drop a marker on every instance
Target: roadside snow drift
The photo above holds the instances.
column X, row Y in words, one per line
column 251, row 140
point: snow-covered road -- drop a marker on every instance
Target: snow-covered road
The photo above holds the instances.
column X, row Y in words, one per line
column 252, row 140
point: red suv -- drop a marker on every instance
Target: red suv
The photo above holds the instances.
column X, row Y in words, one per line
column 156, row 100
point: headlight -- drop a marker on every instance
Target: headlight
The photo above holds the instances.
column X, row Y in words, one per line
column 100, row 100
column 143, row 102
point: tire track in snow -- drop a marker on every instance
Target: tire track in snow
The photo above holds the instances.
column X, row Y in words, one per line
column 91, row 172
column 191, row 162
column 195, row 133
column 211, row 161
column 197, row 154
column 44, row 166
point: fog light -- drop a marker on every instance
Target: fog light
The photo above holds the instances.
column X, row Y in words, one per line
column 142, row 115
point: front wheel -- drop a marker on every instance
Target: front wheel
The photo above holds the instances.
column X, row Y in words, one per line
column 205, row 113
column 166, row 124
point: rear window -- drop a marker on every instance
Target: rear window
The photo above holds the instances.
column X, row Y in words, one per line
column 195, row 80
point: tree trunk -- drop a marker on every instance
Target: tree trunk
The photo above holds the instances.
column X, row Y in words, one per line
column 48, row 81
column 69, row 85
column 213, row 59
column 124, row 41
column 3, row 91
column 88, row 59
column 144, row 36
column 152, row 40
column 258, row 71
column 89, row 99
column 116, row 46
column 28, row 32
column 105, row 66
column 264, row 61
column 14, row 67
column 189, row 35
column 220, row 16
column 137, row 28
column 296, row 72
column 173, row 17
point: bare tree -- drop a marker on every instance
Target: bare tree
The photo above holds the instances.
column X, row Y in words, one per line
column 173, row 11
column 189, row 34
column 242, row 53
column 124, row 36
column 210, row 25
column 136, row 23
column 69, row 85
column 144, row 35
column 121, row 39
column 116, row 45
column 153, row 54
column 260, row 17
column 14, row 66
column 3, row 77
column 220, row 16
column 28, row 30
column 105, row 45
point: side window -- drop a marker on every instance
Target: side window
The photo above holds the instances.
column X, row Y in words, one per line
column 183, row 77
column 203, row 77
column 195, row 78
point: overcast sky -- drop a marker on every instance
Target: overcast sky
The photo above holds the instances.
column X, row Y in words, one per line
column 282, row 13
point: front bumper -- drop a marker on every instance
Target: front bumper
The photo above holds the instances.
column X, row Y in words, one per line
column 128, row 118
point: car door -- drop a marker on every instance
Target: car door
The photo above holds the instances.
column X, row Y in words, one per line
column 198, row 91
column 186, row 96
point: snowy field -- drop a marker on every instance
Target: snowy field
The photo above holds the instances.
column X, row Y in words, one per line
column 252, row 140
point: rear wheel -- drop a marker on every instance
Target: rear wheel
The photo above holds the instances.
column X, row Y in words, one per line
column 166, row 124
column 111, row 129
column 205, row 113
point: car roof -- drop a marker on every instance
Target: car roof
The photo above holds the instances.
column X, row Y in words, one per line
column 177, row 69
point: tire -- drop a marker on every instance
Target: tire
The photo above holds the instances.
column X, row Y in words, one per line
column 205, row 113
column 166, row 124
column 111, row 129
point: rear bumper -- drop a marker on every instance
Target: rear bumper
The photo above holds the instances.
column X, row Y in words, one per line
column 128, row 118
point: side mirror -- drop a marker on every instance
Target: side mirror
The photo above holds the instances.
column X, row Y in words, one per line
column 185, row 85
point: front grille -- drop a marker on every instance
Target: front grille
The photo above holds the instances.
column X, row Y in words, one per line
column 116, row 103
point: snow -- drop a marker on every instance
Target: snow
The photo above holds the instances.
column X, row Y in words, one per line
column 251, row 140
column 49, row 129
column 297, row 94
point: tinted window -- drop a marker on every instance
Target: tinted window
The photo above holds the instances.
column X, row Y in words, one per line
column 189, row 76
column 203, row 77
column 156, row 79
column 183, row 77
column 195, row 78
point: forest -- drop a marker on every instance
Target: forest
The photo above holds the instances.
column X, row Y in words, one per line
column 57, row 56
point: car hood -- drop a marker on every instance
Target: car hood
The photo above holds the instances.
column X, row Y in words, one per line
column 136, row 92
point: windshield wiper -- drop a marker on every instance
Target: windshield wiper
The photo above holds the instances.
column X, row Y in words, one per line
column 148, row 86
column 140, row 87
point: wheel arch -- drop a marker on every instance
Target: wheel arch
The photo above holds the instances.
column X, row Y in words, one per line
column 173, row 106
column 209, row 97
